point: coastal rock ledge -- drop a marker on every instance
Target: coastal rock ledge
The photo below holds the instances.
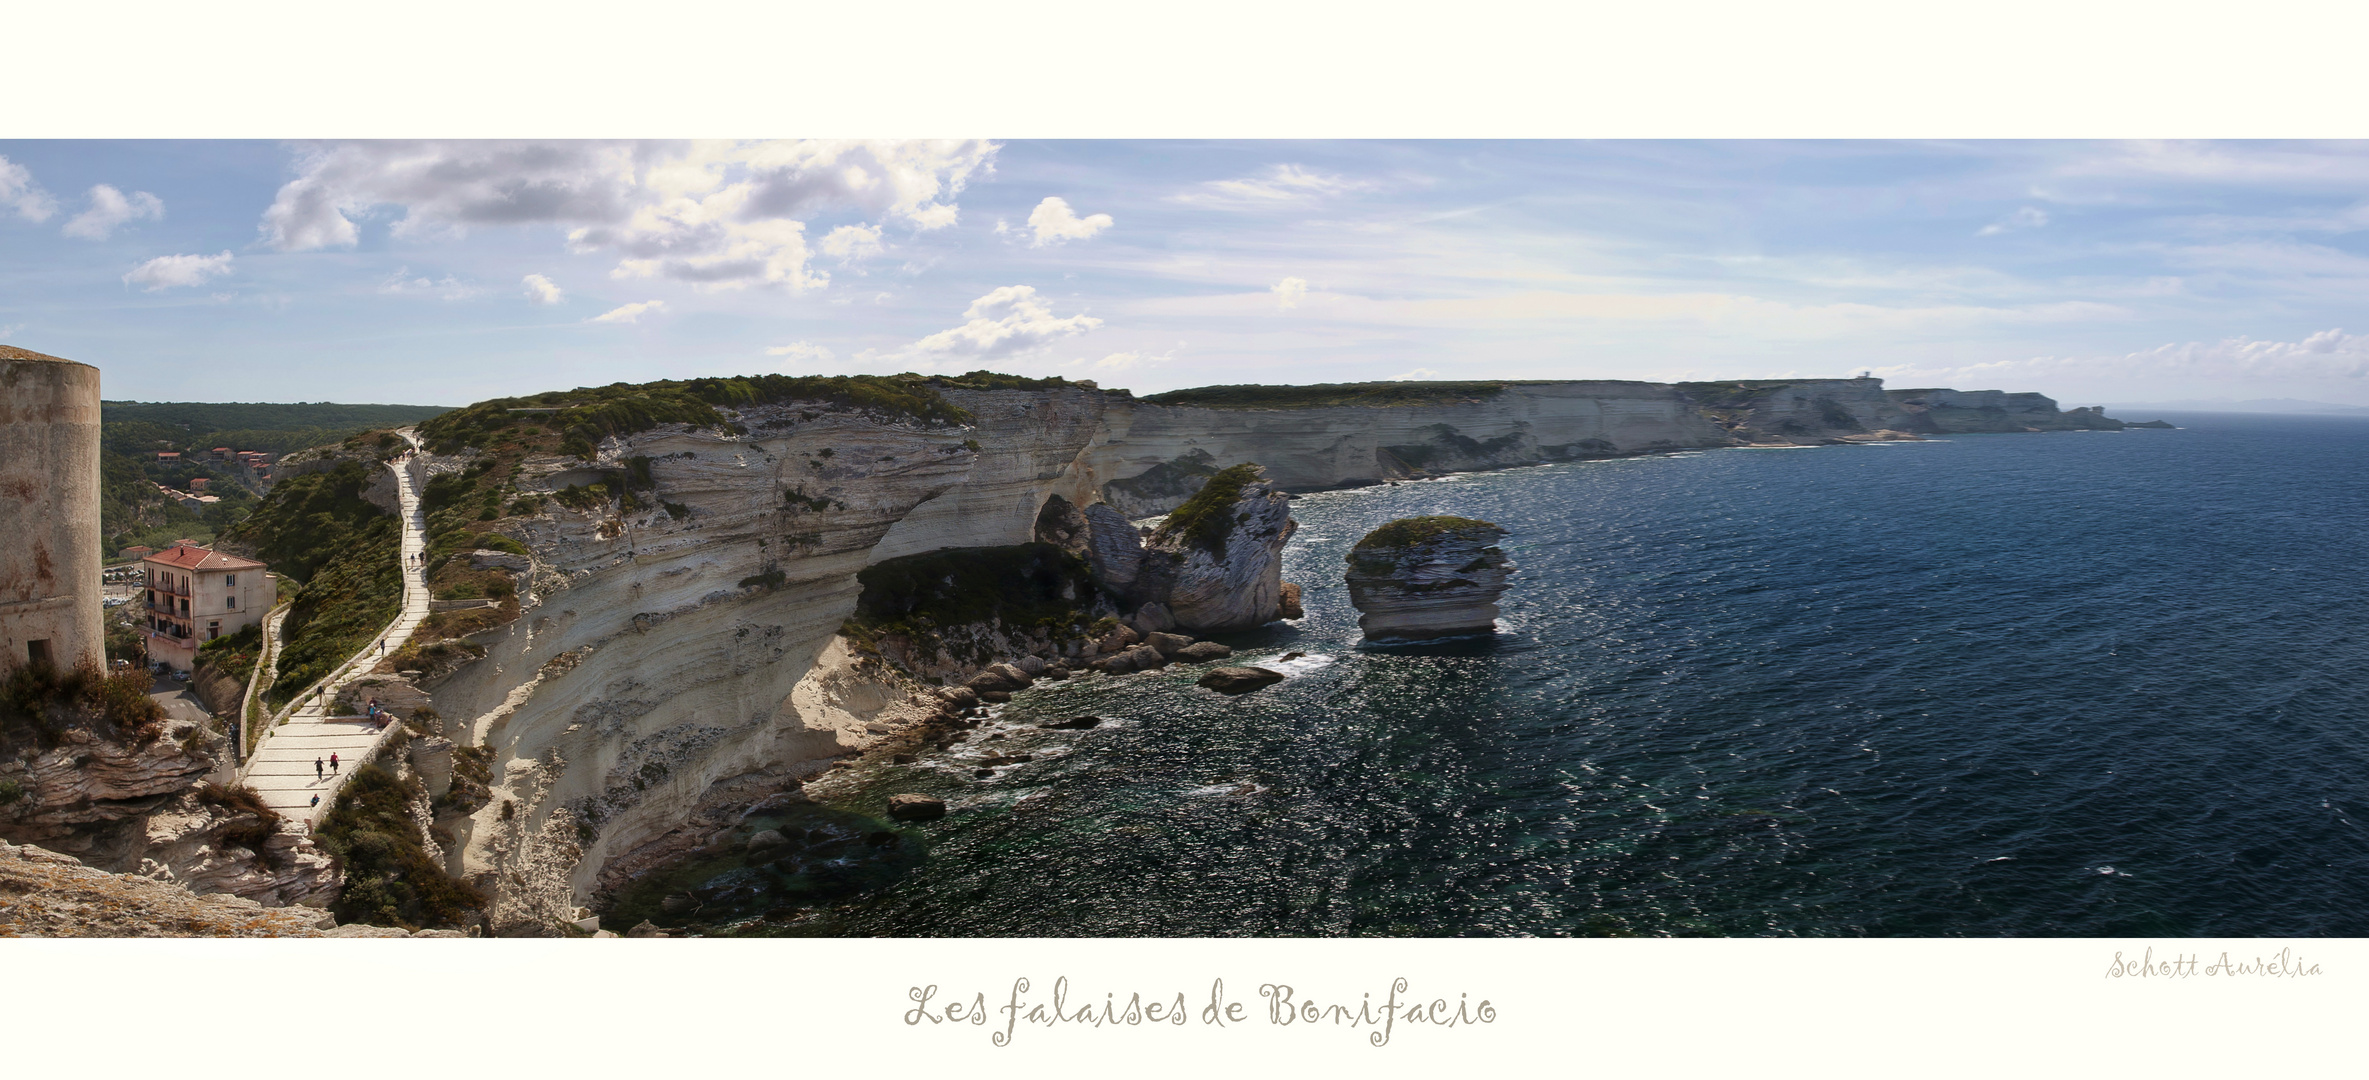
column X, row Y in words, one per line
column 1428, row 577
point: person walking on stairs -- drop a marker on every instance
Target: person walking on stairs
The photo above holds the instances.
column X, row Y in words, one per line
column 317, row 775
column 332, row 761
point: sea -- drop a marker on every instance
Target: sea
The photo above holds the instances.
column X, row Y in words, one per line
column 2065, row 684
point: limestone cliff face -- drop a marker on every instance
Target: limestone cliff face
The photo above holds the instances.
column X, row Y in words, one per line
column 1799, row 411
column 1977, row 411
column 1157, row 454
column 667, row 650
column 1428, row 577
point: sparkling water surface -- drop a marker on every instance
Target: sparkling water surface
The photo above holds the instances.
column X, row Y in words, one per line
column 2072, row 684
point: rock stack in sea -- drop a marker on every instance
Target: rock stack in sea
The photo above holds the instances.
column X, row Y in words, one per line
column 1427, row 577
column 1215, row 564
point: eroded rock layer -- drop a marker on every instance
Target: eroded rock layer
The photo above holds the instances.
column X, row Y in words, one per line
column 1428, row 577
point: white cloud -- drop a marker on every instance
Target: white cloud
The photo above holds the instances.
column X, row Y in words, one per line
column 110, row 208
column 1289, row 291
column 1282, row 184
column 18, row 192
column 1417, row 374
column 542, row 290
column 2325, row 356
column 630, row 312
column 169, row 271
column 401, row 283
column 848, row 243
column 720, row 215
column 11, row 330
column 1008, row 321
column 1124, row 361
column 2025, row 218
column 1055, row 222
column 801, row 352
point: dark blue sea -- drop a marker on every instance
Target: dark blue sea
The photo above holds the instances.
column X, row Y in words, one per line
column 2073, row 684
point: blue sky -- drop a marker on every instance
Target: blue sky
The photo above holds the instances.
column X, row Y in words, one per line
column 445, row 273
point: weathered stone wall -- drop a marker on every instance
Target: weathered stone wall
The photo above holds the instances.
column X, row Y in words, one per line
column 49, row 509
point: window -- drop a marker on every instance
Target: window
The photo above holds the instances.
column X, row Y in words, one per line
column 213, row 630
column 229, row 580
column 231, row 602
column 37, row 651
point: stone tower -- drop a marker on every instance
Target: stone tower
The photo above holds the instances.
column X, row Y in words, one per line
column 49, row 511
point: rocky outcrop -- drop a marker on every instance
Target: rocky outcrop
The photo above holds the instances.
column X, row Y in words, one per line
column 213, row 847
column 1239, row 680
column 1428, row 577
column 1215, row 564
column 86, row 795
column 1959, row 412
column 49, row 894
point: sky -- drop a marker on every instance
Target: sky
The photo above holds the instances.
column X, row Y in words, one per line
column 450, row 272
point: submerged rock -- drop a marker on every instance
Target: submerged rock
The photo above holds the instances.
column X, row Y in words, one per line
column 1075, row 723
column 1428, row 577
column 1240, row 680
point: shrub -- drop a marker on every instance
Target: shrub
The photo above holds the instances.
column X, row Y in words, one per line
column 1205, row 519
column 42, row 703
column 391, row 880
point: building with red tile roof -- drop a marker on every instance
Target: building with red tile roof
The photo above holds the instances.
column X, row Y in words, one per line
column 197, row 594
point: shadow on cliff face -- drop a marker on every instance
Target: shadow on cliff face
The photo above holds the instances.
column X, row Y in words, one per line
column 772, row 866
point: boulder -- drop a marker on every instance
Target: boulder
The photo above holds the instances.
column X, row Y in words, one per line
column 995, row 697
column 1428, row 577
column 1152, row 618
column 1143, row 658
column 911, row 807
column 645, row 928
column 1119, row 640
column 1168, row 644
column 1031, row 666
column 438, row 934
column 1114, row 548
column 1057, row 672
column 1001, row 677
column 1240, row 680
column 1290, row 606
column 769, row 838
column 959, row 697
column 1201, row 652
column 1075, row 723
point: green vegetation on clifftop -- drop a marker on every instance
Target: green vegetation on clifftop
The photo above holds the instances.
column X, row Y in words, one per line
column 1205, row 519
column 1408, row 532
column 1319, row 395
column 584, row 416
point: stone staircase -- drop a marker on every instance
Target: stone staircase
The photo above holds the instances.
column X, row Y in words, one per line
column 281, row 769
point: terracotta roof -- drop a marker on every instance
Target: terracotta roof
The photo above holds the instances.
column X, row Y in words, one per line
column 11, row 352
column 193, row 557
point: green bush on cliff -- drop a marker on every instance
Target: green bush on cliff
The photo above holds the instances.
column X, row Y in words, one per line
column 1408, row 532
column 1205, row 519
column 390, row 879
column 40, row 703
